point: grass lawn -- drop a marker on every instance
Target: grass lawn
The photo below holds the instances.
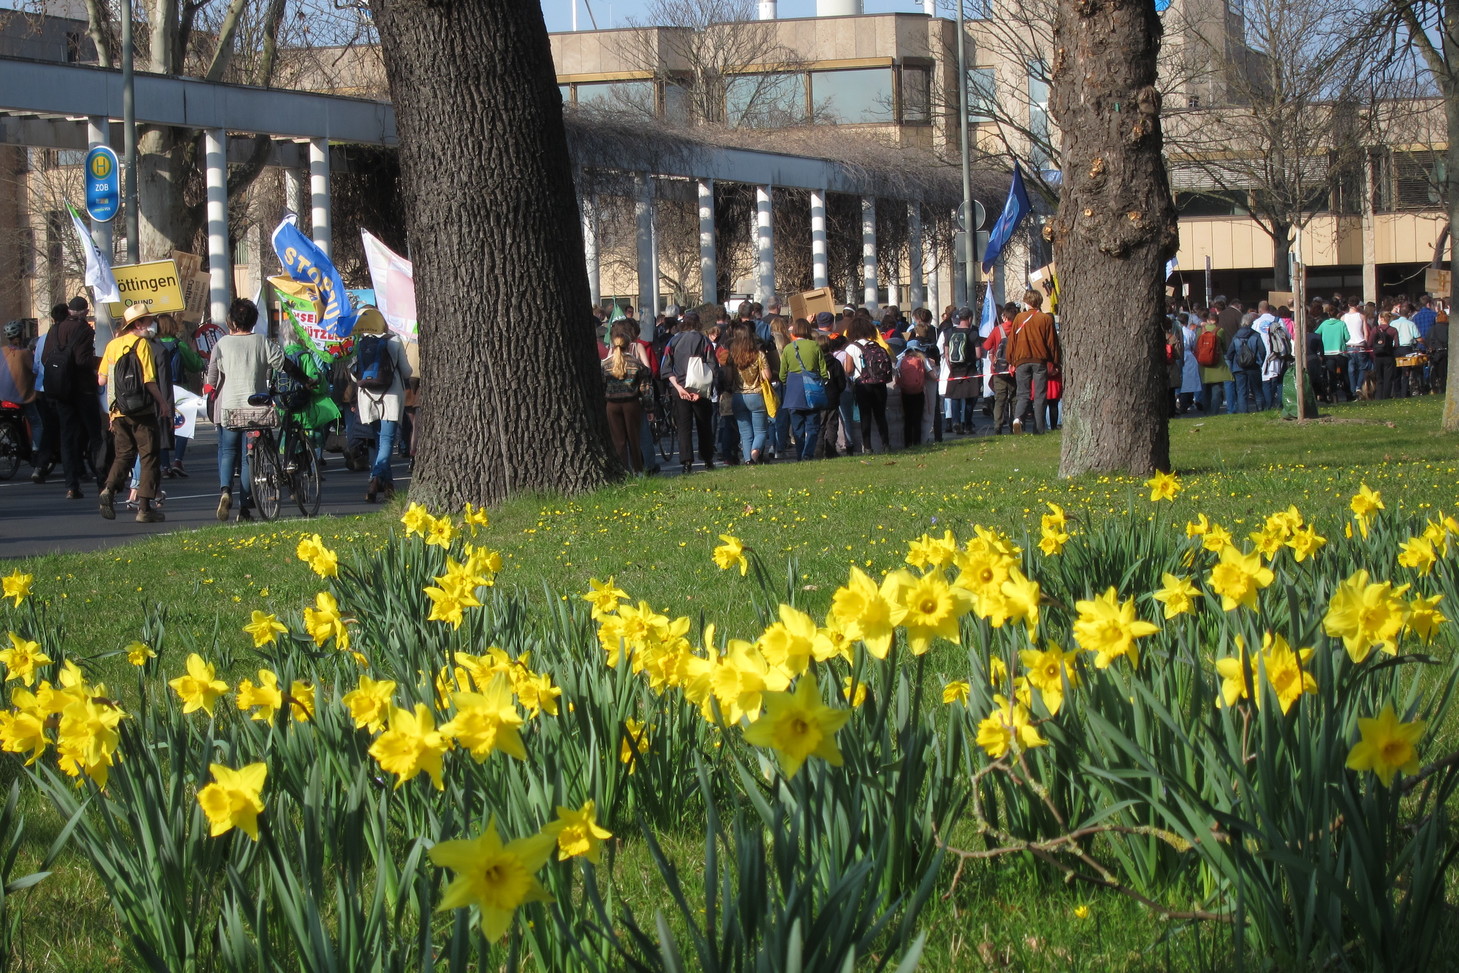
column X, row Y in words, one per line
column 654, row 536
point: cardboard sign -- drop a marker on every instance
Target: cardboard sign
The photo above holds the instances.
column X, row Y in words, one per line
column 188, row 264
column 807, row 304
column 1045, row 280
column 197, row 290
column 1280, row 299
column 156, row 284
column 1438, row 282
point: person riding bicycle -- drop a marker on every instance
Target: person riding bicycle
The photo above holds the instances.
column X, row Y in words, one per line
column 239, row 367
column 303, row 385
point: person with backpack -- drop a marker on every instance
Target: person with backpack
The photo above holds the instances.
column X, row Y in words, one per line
column 911, row 383
column 1244, row 357
column 869, row 373
column 1000, row 372
column 137, row 407
column 1384, row 340
column 1033, row 352
column 239, row 367
column 832, row 351
column 1216, row 378
column 379, row 373
column 179, row 360
column 69, row 365
column 959, row 382
column 805, row 375
column 689, row 367
column 1277, row 342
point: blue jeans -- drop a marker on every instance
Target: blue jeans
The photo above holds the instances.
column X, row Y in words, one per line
column 233, row 456
column 850, row 427
column 806, row 424
column 753, row 420
column 1359, row 364
column 1246, row 380
column 1230, row 393
column 384, row 446
column 1213, row 397
column 646, row 446
column 1272, row 393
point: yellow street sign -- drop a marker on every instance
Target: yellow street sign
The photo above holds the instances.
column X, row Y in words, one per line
column 156, row 284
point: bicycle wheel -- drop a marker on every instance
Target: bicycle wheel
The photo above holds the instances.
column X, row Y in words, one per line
column 266, row 476
column 304, row 481
column 665, row 435
column 10, row 449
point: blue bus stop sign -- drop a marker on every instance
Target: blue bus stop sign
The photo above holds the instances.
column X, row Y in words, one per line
column 103, row 184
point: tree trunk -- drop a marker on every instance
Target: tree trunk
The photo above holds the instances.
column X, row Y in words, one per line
column 1282, row 258
column 1115, row 229
column 1450, row 87
column 512, row 396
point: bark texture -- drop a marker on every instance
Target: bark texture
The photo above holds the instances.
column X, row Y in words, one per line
column 1115, row 228
column 512, row 396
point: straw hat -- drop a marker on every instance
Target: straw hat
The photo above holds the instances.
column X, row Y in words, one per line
column 370, row 321
column 135, row 313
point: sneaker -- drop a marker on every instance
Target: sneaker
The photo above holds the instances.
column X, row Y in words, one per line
column 104, row 502
column 225, row 504
column 149, row 515
column 74, row 495
column 1017, row 426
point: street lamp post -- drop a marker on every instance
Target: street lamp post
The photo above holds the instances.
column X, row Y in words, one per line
column 129, row 135
column 969, row 255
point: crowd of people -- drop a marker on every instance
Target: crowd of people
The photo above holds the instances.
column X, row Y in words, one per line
column 111, row 420
column 1229, row 358
column 757, row 386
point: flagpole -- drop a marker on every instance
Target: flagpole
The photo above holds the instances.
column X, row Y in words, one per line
column 970, row 243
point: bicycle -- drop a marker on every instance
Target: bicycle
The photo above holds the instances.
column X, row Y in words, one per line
column 661, row 424
column 282, row 463
column 14, row 441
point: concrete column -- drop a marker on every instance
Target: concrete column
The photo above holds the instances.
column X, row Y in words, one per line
column 935, row 300
column 820, row 270
column 319, row 194
column 918, row 292
column 868, row 252
column 98, row 131
column 589, row 210
column 1370, row 234
column 220, row 259
column 708, row 254
column 293, row 191
column 765, row 245
column 648, row 271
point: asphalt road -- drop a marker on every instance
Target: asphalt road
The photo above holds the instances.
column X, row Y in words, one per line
column 38, row 519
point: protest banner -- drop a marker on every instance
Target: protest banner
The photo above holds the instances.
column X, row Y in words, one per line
column 393, row 278
column 303, row 309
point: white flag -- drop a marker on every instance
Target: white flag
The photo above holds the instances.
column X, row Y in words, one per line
column 98, row 269
column 393, row 278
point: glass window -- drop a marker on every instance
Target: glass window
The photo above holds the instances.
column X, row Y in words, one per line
column 861, row 95
column 676, row 103
column 982, row 94
column 764, row 100
column 566, row 91
column 916, row 95
column 637, row 96
column 1038, row 113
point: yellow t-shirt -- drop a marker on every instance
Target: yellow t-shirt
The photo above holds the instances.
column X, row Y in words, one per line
column 114, row 351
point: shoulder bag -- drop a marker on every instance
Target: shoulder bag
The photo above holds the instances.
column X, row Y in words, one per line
column 812, row 388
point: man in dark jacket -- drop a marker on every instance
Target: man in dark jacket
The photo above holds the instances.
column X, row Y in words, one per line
column 70, row 383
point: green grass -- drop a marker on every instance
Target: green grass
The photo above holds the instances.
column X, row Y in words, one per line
column 655, row 537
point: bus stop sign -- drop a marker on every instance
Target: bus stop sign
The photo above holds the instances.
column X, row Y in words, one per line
column 103, row 184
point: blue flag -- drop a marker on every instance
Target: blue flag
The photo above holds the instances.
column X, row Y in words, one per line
column 990, row 312
column 306, row 263
column 1014, row 211
column 1171, row 266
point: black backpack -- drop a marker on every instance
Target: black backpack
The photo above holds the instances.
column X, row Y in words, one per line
column 1246, row 351
column 130, row 391
column 293, row 383
column 876, row 365
column 1383, row 342
column 374, row 369
column 58, row 362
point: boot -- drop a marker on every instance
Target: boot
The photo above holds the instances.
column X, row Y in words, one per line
column 105, row 499
column 373, row 490
column 225, row 504
column 148, row 514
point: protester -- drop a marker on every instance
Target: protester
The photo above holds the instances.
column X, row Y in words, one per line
column 69, row 365
column 627, row 381
column 134, row 424
column 380, row 402
column 1033, row 351
column 800, row 358
column 691, row 401
column 744, row 381
column 869, row 372
column 1000, row 372
column 959, row 382
column 239, row 367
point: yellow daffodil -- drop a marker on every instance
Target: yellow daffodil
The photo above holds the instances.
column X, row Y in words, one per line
column 957, row 691
column 1108, row 628
column 731, row 554
column 417, row 520
column 487, row 721
column 496, row 878
column 797, row 725
column 1236, row 676
column 17, row 586
column 1178, row 595
column 1424, row 617
column 138, row 653
column 1237, row 578
column 928, row 608
column 370, row 703
column 1419, row 554
column 634, row 744
column 1163, row 486
column 1007, row 729
column 578, row 833
column 301, row 700
column 1386, row 746
column 863, row 611
column 997, row 671
column 1048, row 671
column 789, row 643
column 411, row 745
column 1365, row 506
column 22, row 658
column 264, row 628
column 324, row 622
column 475, row 518
column 200, row 687
column 321, row 560
column 854, row 692
column 234, row 799
column 265, row 698
column 1305, row 542
column 1286, row 670
column 1366, row 616
column 440, row 532
column 604, row 597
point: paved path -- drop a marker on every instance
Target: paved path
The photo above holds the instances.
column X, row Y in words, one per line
column 38, row 519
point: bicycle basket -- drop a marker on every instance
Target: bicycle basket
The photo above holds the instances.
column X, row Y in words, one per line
column 251, row 417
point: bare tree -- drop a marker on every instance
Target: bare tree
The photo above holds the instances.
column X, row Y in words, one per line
column 1115, row 228
column 1276, row 123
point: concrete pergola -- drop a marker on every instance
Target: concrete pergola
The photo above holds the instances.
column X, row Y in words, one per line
column 70, row 106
